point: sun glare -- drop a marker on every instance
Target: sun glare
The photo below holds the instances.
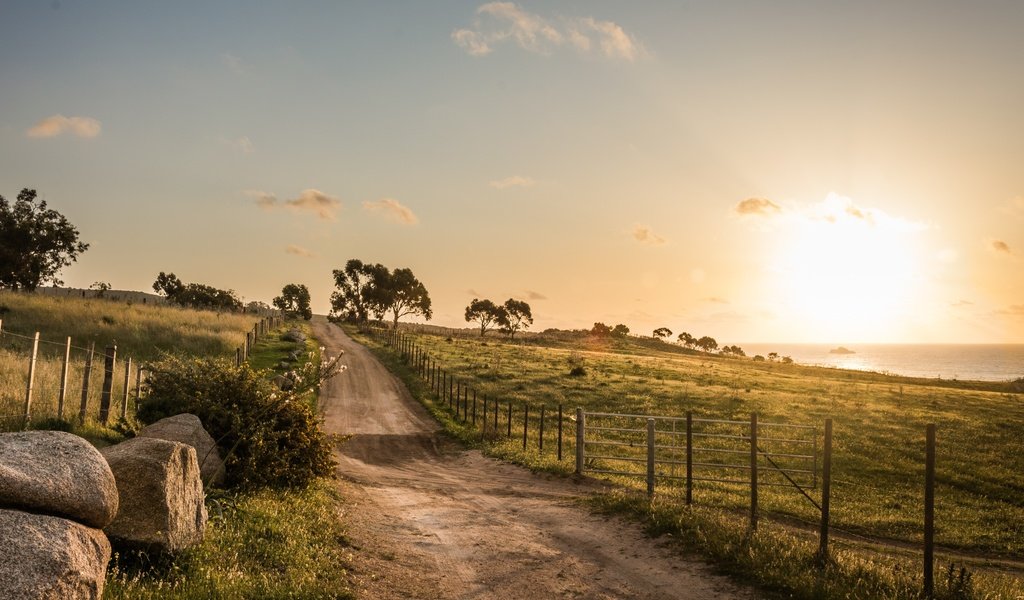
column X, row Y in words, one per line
column 847, row 273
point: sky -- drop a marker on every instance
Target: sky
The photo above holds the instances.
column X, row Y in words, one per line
column 832, row 172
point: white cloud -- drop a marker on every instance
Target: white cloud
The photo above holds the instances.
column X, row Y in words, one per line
column 298, row 251
column 85, row 127
column 506, row 22
column 392, row 209
column 513, row 181
column 644, row 235
column 311, row 200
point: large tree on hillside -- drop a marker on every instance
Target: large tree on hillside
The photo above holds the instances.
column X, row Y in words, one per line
column 514, row 315
column 707, row 344
column 397, row 292
column 35, row 243
column 620, row 330
column 195, row 295
column 486, row 312
column 662, row 333
column 349, row 301
column 294, row 301
column 687, row 340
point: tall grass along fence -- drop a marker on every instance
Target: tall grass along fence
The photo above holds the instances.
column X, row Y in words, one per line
column 72, row 381
column 666, row 451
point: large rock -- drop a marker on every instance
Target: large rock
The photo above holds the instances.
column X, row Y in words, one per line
column 294, row 335
column 161, row 494
column 56, row 473
column 188, row 429
column 44, row 557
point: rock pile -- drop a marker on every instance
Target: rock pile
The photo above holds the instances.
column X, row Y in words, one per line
column 56, row 493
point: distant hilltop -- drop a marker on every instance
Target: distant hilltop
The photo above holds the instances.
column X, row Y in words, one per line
column 841, row 350
column 108, row 294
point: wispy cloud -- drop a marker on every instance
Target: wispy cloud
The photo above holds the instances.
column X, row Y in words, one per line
column 532, row 295
column 1000, row 246
column 644, row 235
column 513, row 181
column 1015, row 310
column 232, row 62
column 757, row 206
column 324, row 206
column 498, row 23
column 961, row 303
column 716, row 300
column 298, row 251
column 241, row 144
column 85, row 127
column 392, row 209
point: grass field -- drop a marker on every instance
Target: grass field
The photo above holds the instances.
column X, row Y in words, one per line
column 140, row 331
column 879, row 429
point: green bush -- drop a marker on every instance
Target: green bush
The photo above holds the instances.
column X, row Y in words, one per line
column 269, row 438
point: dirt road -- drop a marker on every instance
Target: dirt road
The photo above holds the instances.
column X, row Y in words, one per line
column 432, row 520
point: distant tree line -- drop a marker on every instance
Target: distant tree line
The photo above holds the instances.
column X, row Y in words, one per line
column 363, row 289
column 195, row 295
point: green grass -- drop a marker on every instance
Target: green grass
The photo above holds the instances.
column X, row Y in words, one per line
column 271, row 544
column 879, row 426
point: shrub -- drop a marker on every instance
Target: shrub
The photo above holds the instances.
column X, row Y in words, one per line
column 269, row 438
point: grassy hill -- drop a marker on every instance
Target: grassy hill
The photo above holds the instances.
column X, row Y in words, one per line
column 879, row 430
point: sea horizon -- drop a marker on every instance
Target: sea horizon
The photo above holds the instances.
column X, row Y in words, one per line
column 968, row 361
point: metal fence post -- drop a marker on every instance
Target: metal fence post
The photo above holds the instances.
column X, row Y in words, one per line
column 753, row 471
column 689, row 458
column 826, row 491
column 559, row 433
column 929, row 511
column 580, row 433
column 650, row 458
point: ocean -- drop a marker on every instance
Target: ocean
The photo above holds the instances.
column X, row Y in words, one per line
column 979, row 362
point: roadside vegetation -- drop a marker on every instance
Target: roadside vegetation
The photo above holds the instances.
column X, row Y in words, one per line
column 878, row 460
column 270, row 534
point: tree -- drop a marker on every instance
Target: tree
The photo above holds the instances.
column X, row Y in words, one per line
column 35, row 243
column 294, row 301
column 486, row 312
column 515, row 315
column 349, row 300
column 686, row 339
column 168, row 285
column 620, row 330
column 773, row 356
column 397, row 292
column 601, row 330
column 662, row 332
column 101, row 288
column 707, row 344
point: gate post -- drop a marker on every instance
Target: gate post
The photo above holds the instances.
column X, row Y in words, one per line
column 826, row 492
column 753, row 471
column 650, row 458
column 580, row 436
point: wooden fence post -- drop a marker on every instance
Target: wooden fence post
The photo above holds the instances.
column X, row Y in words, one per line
column 650, row 458
column 580, row 433
column 238, row 356
column 929, row 511
column 753, row 471
column 138, row 386
column 127, row 386
column 109, row 360
column 85, row 382
column 495, row 418
column 826, row 492
column 62, row 394
column 31, row 378
column 689, row 458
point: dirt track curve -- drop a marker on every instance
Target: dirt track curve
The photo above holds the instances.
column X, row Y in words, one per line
column 433, row 520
